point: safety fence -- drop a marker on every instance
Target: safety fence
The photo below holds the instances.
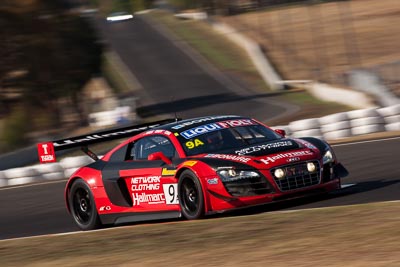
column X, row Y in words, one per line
column 331, row 127
column 43, row 172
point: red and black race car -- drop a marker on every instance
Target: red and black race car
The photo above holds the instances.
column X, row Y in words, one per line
column 191, row 168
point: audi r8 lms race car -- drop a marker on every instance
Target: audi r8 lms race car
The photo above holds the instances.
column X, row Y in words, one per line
column 192, row 168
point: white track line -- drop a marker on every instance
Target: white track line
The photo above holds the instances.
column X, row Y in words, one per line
column 367, row 141
column 346, row 185
column 331, row 207
column 31, row 185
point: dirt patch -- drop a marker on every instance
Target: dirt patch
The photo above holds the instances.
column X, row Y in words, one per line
column 362, row 235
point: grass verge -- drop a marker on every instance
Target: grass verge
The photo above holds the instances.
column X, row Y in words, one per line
column 360, row 235
column 113, row 75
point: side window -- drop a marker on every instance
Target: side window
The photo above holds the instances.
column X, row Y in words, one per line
column 120, row 154
column 142, row 148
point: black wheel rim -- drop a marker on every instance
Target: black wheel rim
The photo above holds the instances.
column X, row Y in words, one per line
column 82, row 205
column 189, row 196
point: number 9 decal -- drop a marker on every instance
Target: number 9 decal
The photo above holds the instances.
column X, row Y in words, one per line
column 171, row 193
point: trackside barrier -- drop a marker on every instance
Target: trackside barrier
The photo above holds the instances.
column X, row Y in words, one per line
column 331, row 127
column 110, row 117
column 24, row 175
column 335, row 126
column 71, row 164
column 192, row 15
column 307, row 127
column 391, row 115
column 347, row 124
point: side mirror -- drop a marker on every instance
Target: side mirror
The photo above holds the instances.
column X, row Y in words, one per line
column 159, row 156
column 281, row 132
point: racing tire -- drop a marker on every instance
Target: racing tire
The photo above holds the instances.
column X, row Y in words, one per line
column 191, row 198
column 83, row 207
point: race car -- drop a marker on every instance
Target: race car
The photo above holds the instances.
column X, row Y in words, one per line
column 192, row 168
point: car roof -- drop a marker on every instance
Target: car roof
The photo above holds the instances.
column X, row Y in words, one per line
column 194, row 122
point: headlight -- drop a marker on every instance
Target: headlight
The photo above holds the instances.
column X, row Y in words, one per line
column 328, row 157
column 279, row 173
column 311, row 167
column 228, row 175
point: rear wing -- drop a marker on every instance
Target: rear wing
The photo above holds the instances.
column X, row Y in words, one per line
column 47, row 150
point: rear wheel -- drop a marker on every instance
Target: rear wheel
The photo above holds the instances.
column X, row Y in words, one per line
column 82, row 206
column 191, row 199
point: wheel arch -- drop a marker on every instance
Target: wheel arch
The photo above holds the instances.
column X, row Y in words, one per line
column 70, row 182
column 207, row 204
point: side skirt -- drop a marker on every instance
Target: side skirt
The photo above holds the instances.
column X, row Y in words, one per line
column 119, row 218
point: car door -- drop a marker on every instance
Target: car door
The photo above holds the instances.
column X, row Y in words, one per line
column 132, row 180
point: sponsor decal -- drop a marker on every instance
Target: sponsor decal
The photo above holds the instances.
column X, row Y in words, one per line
column 190, row 163
column 228, row 157
column 212, row 181
column 101, row 136
column 144, row 187
column 236, row 123
column 145, row 180
column 158, row 132
column 103, row 208
column 46, row 152
column 188, row 123
column 148, row 183
column 272, row 159
column 207, row 128
column 249, row 150
column 166, row 172
column 145, row 183
column 293, row 159
column 306, row 144
column 148, row 190
column 138, row 198
column 193, row 132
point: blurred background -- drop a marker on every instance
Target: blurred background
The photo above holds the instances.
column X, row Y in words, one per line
column 59, row 76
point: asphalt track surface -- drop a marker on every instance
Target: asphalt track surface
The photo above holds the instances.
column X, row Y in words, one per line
column 373, row 166
column 177, row 79
column 169, row 75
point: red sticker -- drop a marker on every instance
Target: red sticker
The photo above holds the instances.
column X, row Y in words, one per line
column 46, row 152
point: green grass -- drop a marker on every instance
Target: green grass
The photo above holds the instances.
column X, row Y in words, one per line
column 216, row 48
column 113, row 75
column 212, row 48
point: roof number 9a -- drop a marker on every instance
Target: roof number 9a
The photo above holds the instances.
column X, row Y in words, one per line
column 193, row 144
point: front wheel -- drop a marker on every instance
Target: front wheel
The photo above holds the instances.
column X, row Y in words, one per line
column 82, row 206
column 191, row 199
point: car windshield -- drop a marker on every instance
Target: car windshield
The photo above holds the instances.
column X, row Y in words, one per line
column 226, row 140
